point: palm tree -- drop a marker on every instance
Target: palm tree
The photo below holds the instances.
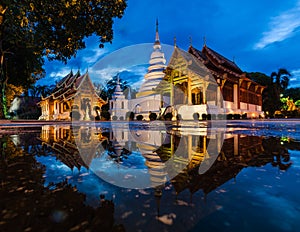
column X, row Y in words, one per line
column 281, row 79
column 280, row 83
column 34, row 91
column 41, row 90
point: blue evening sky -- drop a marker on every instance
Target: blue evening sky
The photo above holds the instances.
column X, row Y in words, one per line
column 260, row 35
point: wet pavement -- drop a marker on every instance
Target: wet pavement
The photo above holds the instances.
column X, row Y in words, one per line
column 105, row 177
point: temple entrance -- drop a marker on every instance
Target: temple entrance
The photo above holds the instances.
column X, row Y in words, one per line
column 180, row 94
column 86, row 108
column 197, row 96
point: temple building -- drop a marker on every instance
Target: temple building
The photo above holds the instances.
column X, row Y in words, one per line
column 190, row 86
column 240, row 94
column 73, row 97
column 194, row 84
column 118, row 104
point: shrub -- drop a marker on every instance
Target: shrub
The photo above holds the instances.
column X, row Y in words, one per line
column 152, row 116
column 237, row 116
column 204, row 116
column 139, row 117
column 244, row 116
column 121, row 118
column 196, row 116
column 12, row 114
column 213, row 117
column 208, row 116
column 114, row 118
column 168, row 116
column 229, row 116
column 105, row 115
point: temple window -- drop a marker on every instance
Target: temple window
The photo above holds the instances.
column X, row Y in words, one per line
column 197, row 96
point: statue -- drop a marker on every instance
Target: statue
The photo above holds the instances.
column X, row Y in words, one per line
column 290, row 104
column 86, row 108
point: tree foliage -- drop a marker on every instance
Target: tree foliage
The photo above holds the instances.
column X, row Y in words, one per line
column 281, row 80
column 275, row 85
column 11, row 92
column 106, row 91
column 57, row 28
column 293, row 93
column 40, row 90
column 33, row 29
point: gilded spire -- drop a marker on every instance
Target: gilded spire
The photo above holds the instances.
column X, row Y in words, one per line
column 175, row 41
column 157, row 35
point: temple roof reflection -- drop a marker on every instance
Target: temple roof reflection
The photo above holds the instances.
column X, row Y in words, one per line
column 238, row 152
column 168, row 156
column 65, row 141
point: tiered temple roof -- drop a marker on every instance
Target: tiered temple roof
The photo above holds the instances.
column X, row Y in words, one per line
column 218, row 64
column 67, row 88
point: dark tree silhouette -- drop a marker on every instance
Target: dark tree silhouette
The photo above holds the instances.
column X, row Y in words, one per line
column 33, row 29
column 280, row 84
column 275, row 85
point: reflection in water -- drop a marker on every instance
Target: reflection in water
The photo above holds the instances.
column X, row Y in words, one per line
column 238, row 152
column 169, row 162
column 64, row 141
column 27, row 205
column 165, row 154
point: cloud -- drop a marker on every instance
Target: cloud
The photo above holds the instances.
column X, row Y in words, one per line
column 96, row 54
column 60, row 73
column 295, row 79
column 130, row 62
column 57, row 73
column 296, row 72
column 102, row 75
column 133, row 75
column 282, row 27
